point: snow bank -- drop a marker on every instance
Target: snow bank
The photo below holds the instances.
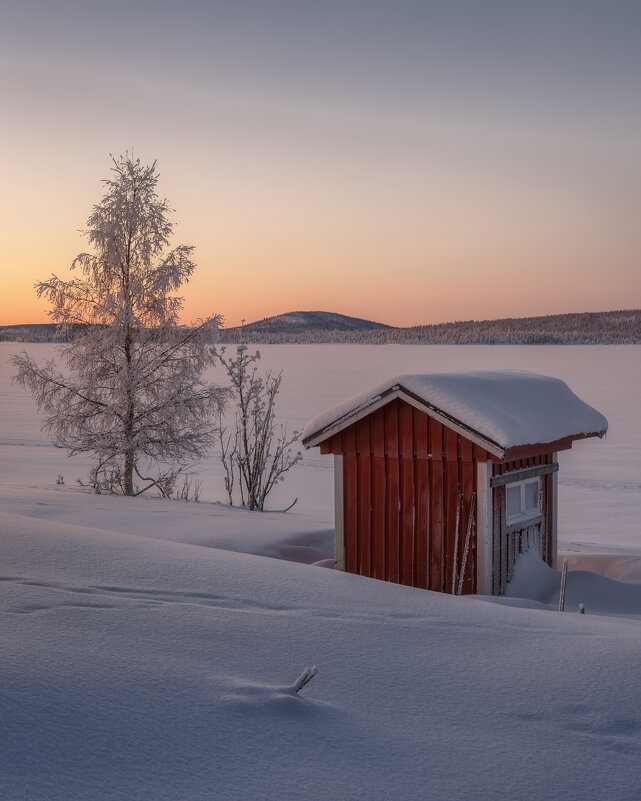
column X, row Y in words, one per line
column 535, row 580
column 140, row 668
column 290, row 536
column 506, row 407
column 622, row 567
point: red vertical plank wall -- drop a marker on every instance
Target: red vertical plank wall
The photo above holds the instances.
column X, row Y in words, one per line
column 405, row 475
column 379, row 489
column 420, row 423
column 350, row 511
column 364, row 500
column 392, row 494
column 407, row 499
column 436, row 541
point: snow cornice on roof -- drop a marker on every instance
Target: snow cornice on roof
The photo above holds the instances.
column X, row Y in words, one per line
column 500, row 411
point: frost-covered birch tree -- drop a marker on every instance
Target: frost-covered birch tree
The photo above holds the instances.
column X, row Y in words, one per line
column 131, row 391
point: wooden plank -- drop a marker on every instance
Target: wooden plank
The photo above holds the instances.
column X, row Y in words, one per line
column 392, row 515
column 543, row 524
column 379, row 512
column 498, row 523
column 391, row 429
column 537, row 537
column 504, row 548
column 350, row 474
column 406, row 430
column 364, row 515
column 362, row 437
column 450, row 444
column 349, row 440
column 436, row 526
column 523, row 474
column 511, row 554
column 465, row 449
column 420, row 434
column 377, row 433
column 547, row 546
column 436, row 439
column 553, row 507
column 339, row 512
column 421, row 532
column 483, row 558
column 451, row 505
column 407, row 522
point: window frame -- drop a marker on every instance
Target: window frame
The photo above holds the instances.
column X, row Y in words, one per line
column 525, row 513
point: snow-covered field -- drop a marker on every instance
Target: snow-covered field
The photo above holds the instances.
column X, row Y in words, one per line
column 148, row 652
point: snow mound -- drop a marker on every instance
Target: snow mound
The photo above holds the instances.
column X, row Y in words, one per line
column 535, row 580
column 623, row 567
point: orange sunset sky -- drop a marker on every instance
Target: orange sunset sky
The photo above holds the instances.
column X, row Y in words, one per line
column 407, row 162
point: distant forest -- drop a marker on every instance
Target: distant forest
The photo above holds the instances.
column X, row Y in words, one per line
column 588, row 328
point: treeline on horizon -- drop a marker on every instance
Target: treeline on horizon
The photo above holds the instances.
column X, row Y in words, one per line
column 586, row 328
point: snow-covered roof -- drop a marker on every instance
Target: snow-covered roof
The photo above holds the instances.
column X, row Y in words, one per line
column 499, row 409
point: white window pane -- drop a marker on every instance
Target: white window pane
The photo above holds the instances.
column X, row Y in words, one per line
column 513, row 500
column 531, row 495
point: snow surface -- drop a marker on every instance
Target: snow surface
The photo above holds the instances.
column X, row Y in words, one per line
column 507, row 407
column 135, row 667
column 140, row 660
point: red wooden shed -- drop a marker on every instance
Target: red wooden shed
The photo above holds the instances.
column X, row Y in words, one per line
column 442, row 480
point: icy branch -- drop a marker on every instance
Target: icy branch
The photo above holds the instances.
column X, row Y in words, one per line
column 306, row 676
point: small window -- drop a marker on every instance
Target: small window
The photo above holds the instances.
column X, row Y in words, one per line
column 513, row 500
column 523, row 500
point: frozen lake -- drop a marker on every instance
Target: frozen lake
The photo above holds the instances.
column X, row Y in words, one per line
column 599, row 481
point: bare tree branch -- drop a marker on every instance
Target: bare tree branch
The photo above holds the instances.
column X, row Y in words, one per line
column 256, row 454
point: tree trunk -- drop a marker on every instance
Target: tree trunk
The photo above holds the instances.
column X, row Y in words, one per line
column 128, row 475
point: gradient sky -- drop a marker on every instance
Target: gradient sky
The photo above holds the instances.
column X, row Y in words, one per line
column 408, row 162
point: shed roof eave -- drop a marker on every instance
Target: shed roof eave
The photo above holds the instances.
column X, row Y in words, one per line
column 347, row 419
column 564, row 444
column 385, row 397
column 397, row 390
